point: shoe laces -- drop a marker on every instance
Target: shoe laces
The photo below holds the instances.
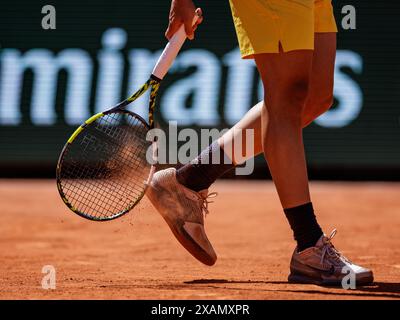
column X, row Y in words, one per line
column 329, row 250
column 204, row 201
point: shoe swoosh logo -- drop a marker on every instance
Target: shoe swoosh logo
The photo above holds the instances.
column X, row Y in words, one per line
column 328, row 272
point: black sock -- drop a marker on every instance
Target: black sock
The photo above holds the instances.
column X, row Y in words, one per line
column 305, row 227
column 200, row 173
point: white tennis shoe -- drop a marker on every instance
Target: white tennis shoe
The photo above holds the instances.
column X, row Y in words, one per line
column 323, row 264
column 183, row 210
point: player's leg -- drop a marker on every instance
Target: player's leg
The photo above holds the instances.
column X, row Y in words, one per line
column 286, row 78
column 320, row 95
column 319, row 99
column 219, row 158
column 235, row 136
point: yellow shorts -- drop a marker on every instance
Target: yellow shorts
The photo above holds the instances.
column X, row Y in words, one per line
column 261, row 25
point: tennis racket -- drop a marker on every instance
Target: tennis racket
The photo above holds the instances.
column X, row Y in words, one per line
column 104, row 169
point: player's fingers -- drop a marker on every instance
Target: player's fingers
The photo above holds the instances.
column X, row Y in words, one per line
column 199, row 20
column 189, row 28
column 173, row 27
column 200, row 17
column 175, row 24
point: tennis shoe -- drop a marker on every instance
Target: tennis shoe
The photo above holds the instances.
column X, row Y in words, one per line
column 323, row 264
column 183, row 209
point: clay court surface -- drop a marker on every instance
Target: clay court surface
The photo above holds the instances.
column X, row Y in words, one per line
column 136, row 256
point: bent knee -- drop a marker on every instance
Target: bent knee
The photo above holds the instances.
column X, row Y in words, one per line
column 289, row 101
column 322, row 102
column 315, row 106
column 297, row 91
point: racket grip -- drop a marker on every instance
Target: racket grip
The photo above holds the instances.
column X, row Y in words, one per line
column 171, row 51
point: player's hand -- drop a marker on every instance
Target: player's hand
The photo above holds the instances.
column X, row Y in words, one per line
column 182, row 12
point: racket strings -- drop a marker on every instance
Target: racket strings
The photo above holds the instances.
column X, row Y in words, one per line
column 96, row 193
column 104, row 171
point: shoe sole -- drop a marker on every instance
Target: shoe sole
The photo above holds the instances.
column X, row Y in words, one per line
column 303, row 279
column 190, row 244
column 183, row 237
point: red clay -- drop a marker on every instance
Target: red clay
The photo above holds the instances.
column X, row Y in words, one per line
column 136, row 257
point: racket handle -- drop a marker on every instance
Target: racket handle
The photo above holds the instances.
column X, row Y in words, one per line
column 171, row 51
